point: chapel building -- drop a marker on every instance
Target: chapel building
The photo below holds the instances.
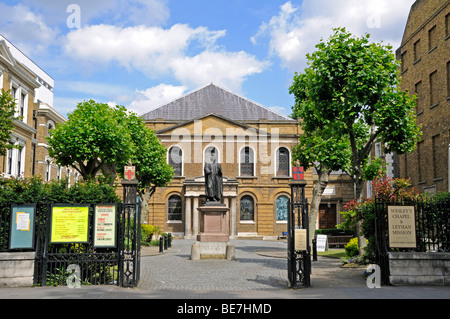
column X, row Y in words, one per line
column 253, row 146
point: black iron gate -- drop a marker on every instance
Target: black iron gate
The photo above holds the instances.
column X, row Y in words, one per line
column 299, row 251
column 85, row 263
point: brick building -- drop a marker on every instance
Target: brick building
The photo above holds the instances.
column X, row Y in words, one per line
column 425, row 71
column 32, row 88
column 253, row 145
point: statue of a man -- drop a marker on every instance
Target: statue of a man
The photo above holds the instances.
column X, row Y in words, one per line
column 213, row 179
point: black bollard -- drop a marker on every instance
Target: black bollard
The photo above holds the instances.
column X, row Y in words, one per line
column 161, row 244
column 314, row 249
column 165, row 242
column 170, row 240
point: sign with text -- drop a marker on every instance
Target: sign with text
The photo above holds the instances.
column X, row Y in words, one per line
column 70, row 224
column 22, row 227
column 402, row 226
column 300, row 240
column 105, row 226
column 322, row 243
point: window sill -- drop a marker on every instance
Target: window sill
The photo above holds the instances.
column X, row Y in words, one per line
column 281, row 177
column 247, row 177
column 248, row 222
column 432, row 49
column 434, row 105
column 174, row 222
column 281, row 222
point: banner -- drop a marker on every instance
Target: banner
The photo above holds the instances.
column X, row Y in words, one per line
column 70, row 224
column 105, row 226
column 22, row 227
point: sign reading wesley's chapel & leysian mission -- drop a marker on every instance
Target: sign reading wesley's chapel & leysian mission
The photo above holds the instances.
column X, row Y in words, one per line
column 402, row 226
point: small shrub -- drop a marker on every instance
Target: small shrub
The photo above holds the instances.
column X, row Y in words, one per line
column 352, row 249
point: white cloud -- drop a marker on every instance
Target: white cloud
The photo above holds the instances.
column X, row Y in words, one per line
column 25, row 29
column 151, row 98
column 228, row 69
column 295, row 31
column 156, row 51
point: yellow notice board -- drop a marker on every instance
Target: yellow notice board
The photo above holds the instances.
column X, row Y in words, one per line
column 70, row 224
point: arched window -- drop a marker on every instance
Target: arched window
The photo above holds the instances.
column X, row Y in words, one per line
column 282, row 208
column 247, row 163
column 176, row 160
column 283, row 162
column 175, row 208
column 247, row 205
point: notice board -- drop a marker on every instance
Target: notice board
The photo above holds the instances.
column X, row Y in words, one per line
column 22, row 226
column 105, row 226
column 69, row 224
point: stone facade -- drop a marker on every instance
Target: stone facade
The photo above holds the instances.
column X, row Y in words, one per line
column 253, row 145
column 425, row 71
column 33, row 91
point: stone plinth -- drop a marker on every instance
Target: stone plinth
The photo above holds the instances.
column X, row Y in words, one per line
column 213, row 223
column 213, row 239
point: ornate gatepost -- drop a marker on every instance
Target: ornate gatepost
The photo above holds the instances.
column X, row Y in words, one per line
column 130, row 250
column 299, row 251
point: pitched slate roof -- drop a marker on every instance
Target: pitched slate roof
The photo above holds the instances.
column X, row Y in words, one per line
column 212, row 99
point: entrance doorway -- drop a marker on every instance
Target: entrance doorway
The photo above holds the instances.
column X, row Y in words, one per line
column 327, row 216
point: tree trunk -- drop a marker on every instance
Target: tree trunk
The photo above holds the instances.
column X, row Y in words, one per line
column 359, row 187
column 145, row 209
column 318, row 189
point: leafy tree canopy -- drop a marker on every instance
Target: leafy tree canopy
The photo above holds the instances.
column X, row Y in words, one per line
column 349, row 91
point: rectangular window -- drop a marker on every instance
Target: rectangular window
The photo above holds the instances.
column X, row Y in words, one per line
column 419, row 161
column 432, row 40
column 448, row 78
column 417, row 51
column 419, row 99
column 434, row 89
column 435, row 152
column 19, row 161
column 9, row 162
column 447, row 25
column 22, row 105
column 404, row 67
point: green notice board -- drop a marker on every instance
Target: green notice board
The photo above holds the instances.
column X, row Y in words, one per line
column 22, row 226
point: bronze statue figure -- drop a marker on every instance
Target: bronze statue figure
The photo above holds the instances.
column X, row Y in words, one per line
column 213, row 179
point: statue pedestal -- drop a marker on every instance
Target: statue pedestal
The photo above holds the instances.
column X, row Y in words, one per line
column 213, row 240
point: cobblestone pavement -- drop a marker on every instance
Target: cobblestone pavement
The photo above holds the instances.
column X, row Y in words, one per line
column 259, row 272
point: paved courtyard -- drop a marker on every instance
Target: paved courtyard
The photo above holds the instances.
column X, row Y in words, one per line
column 259, row 272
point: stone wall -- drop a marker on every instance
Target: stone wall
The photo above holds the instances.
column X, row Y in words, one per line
column 16, row 269
column 419, row 269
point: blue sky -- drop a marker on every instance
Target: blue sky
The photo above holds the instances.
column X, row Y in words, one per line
column 144, row 53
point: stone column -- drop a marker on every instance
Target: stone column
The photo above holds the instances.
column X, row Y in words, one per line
column 187, row 218
column 195, row 217
column 233, row 233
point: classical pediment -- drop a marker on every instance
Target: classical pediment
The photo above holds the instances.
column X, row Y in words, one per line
column 212, row 125
column 5, row 54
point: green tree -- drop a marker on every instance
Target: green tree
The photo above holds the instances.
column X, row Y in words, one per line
column 7, row 110
column 351, row 88
column 91, row 139
column 349, row 91
column 98, row 137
